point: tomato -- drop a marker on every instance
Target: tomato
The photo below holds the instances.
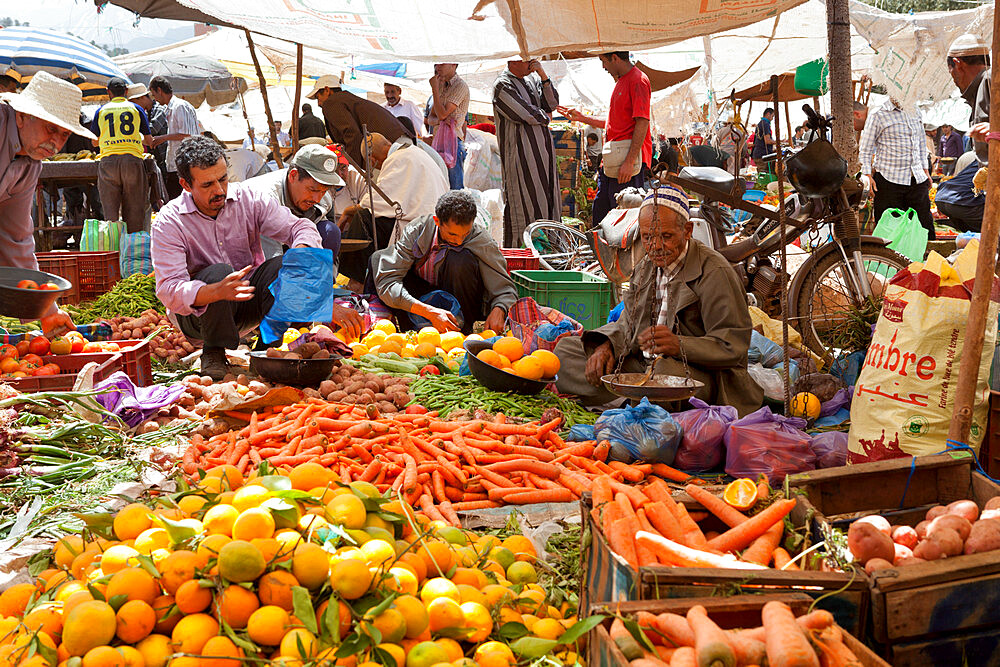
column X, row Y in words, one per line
column 19, row 374
column 49, row 286
column 22, row 348
column 60, row 345
column 9, row 365
column 47, row 369
column 26, row 367
column 112, row 347
column 39, row 345
column 430, row 369
column 77, row 340
column 33, row 359
column 90, row 348
column 27, row 284
column 416, row 409
column 8, row 350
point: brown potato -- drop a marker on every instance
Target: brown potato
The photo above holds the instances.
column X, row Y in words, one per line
column 877, row 564
column 912, row 560
column 878, row 521
column 964, row 508
column 273, row 352
column 959, row 524
column 307, row 350
column 951, row 542
column 985, row 536
column 993, row 503
column 322, row 354
column 921, row 529
column 327, row 387
column 929, row 550
column 905, row 535
column 935, row 512
column 866, row 542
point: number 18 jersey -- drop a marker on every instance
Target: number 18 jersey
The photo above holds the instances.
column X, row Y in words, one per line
column 120, row 126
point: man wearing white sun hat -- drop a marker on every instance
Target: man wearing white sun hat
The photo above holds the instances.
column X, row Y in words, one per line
column 34, row 125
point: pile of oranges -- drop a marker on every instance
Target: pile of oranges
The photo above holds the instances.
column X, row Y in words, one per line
column 508, row 354
column 295, row 569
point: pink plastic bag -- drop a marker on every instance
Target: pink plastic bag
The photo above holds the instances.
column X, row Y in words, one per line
column 704, row 426
column 445, row 142
column 769, row 444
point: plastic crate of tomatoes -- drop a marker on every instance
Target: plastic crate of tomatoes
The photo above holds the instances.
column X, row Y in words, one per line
column 40, row 364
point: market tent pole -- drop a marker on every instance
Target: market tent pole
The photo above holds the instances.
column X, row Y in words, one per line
column 788, row 122
column 975, row 330
column 838, row 35
column 298, row 98
column 275, row 148
column 779, row 171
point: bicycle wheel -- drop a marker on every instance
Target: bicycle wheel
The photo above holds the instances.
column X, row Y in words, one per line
column 559, row 247
column 828, row 311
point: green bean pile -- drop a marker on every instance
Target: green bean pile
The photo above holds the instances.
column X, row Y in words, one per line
column 129, row 298
column 447, row 393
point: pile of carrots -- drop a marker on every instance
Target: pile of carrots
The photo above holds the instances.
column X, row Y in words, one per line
column 687, row 641
column 441, row 467
column 647, row 527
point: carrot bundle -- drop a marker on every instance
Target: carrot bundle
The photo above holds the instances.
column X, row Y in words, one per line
column 449, row 466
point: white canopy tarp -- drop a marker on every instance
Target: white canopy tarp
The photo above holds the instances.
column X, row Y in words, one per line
column 912, row 47
column 443, row 31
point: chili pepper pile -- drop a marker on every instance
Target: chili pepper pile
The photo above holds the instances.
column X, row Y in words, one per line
column 446, row 394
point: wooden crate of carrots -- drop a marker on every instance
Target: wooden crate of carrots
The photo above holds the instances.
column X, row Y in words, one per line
column 732, row 630
column 942, row 612
column 655, row 543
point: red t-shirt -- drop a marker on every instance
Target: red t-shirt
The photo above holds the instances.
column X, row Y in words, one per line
column 630, row 100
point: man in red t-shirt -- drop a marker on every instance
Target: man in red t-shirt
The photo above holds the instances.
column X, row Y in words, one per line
column 627, row 121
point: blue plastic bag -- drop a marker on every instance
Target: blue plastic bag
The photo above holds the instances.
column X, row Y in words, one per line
column 764, row 351
column 438, row 299
column 848, row 367
column 303, row 291
column 645, row 432
column 703, row 428
column 580, row 433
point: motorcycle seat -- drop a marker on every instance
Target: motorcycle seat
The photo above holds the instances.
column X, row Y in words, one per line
column 712, row 177
column 739, row 251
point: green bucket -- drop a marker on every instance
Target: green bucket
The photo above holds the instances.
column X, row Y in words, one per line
column 813, row 78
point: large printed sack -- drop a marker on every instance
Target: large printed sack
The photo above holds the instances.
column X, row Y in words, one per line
column 102, row 235
column 905, row 393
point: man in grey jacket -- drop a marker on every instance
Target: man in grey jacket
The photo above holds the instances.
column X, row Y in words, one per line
column 445, row 252
column 305, row 188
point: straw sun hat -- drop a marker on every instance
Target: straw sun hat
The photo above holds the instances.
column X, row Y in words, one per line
column 52, row 100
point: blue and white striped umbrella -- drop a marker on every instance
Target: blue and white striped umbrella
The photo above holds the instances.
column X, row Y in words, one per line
column 25, row 51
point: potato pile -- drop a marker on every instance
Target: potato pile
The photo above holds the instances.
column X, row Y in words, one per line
column 946, row 531
column 308, row 350
column 170, row 345
column 349, row 385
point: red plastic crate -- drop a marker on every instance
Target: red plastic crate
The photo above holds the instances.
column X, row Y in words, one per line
column 99, row 272
column 138, row 360
column 65, row 265
column 108, row 363
column 521, row 259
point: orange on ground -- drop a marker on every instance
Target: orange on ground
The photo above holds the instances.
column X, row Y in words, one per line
column 220, row 652
column 741, row 494
column 275, row 588
column 135, row 583
column 267, row 625
column 235, row 606
column 177, row 568
column 191, row 597
column 134, row 621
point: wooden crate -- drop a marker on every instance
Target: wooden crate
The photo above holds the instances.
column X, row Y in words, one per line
column 738, row 611
column 608, row 578
column 942, row 604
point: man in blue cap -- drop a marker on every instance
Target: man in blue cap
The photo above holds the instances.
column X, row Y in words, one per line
column 686, row 312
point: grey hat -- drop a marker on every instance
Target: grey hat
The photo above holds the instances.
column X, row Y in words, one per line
column 319, row 162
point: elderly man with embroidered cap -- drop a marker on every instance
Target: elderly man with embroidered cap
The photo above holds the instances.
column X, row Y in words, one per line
column 685, row 306
column 34, row 125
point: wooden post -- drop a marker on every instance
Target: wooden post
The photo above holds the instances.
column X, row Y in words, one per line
column 972, row 348
column 788, row 124
column 275, row 148
column 298, row 98
column 838, row 35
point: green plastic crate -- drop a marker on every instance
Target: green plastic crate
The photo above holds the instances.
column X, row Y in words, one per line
column 586, row 298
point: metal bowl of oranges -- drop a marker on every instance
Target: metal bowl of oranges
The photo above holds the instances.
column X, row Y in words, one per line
column 526, row 374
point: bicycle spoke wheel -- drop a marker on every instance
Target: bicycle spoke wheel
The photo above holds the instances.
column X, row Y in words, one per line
column 830, row 311
column 559, row 247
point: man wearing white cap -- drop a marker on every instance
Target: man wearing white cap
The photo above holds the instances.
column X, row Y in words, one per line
column 304, row 187
column 686, row 312
column 969, row 66
column 346, row 114
column 34, row 125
